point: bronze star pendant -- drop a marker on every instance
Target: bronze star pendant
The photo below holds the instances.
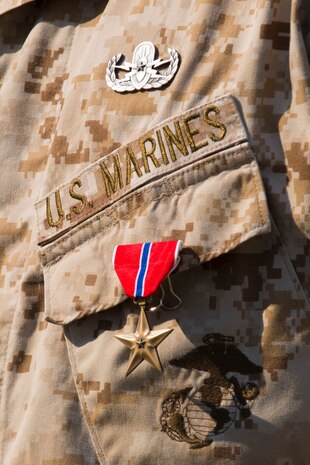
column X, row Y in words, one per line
column 143, row 343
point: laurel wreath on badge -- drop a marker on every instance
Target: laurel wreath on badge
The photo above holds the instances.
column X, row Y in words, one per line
column 142, row 73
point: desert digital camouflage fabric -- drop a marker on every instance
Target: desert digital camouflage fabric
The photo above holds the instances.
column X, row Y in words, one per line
column 217, row 158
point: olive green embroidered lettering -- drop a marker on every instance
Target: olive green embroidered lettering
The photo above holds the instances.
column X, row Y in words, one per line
column 60, row 211
column 131, row 160
column 112, row 183
column 148, row 154
column 190, row 132
column 176, row 139
column 215, row 124
column 162, row 148
column 82, row 198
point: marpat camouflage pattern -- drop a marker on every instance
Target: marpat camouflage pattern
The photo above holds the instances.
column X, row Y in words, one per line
column 219, row 157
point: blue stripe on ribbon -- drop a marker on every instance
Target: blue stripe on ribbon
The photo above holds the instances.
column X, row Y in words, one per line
column 143, row 269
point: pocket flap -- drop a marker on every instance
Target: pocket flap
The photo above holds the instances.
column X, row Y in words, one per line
column 207, row 192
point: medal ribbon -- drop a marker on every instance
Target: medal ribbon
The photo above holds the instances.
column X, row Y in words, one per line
column 141, row 268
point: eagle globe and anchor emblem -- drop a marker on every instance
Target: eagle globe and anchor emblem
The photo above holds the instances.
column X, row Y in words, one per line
column 196, row 415
column 143, row 72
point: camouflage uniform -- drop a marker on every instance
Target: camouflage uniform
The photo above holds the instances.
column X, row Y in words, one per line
column 179, row 162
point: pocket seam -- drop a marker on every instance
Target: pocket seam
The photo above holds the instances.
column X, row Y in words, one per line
column 145, row 190
column 162, row 195
column 92, row 430
column 256, row 194
column 214, row 158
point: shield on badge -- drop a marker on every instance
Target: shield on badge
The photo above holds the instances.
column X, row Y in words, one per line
column 143, row 56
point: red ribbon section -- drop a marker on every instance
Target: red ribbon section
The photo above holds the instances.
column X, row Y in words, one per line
column 141, row 268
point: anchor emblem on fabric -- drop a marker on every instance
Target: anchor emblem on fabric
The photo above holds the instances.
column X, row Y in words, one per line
column 143, row 72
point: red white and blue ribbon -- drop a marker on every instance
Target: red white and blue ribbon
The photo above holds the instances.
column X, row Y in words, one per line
column 141, row 268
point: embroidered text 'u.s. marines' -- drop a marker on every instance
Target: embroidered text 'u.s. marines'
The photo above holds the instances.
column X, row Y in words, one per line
column 173, row 144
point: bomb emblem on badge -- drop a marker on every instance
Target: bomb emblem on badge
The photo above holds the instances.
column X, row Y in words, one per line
column 143, row 72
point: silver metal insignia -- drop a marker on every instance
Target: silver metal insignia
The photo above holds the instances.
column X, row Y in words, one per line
column 143, row 72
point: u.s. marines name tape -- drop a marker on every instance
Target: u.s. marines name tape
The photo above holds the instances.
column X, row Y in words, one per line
column 173, row 144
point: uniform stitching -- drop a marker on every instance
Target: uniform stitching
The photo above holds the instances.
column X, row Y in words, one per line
column 110, row 214
column 78, row 388
column 206, row 255
column 239, row 136
column 257, row 194
column 145, row 191
column 113, row 198
column 99, row 233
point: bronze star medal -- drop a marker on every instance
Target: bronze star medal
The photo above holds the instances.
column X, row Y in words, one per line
column 141, row 268
column 143, row 343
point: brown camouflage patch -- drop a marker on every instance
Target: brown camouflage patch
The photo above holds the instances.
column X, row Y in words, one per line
column 21, row 362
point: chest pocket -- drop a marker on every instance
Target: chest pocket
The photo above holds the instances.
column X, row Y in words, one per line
column 193, row 177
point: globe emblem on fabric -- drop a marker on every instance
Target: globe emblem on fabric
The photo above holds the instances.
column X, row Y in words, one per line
column 199, row 421
column 193, row 420
column 196, row 414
